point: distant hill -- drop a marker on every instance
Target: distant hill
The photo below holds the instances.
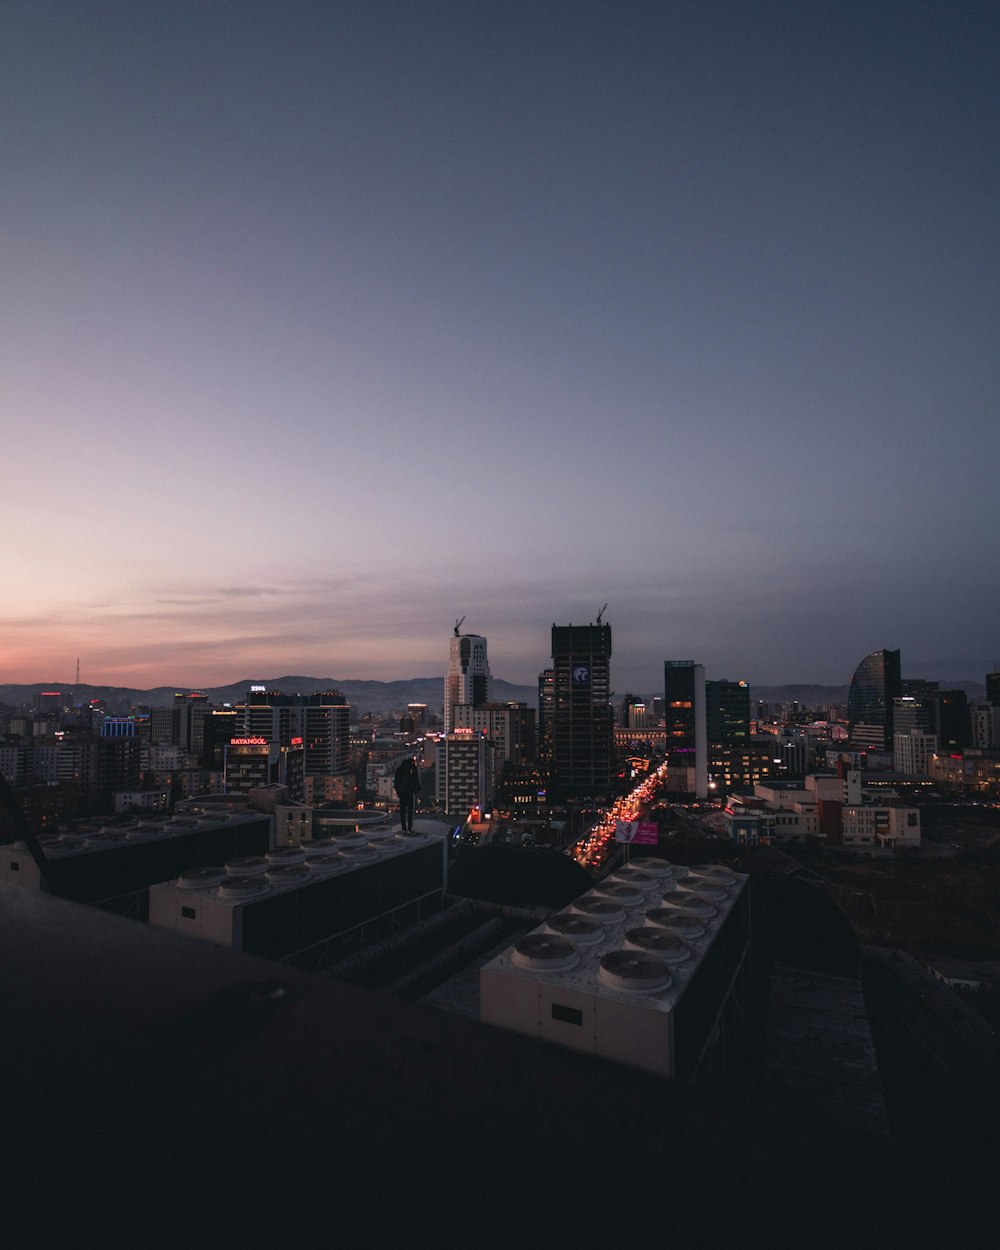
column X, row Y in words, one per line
column 383, row 696
column 363, row 696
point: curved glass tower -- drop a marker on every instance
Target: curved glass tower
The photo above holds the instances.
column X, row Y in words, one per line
column 876, row 682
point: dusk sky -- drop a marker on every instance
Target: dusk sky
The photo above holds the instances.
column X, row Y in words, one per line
column 325, row 324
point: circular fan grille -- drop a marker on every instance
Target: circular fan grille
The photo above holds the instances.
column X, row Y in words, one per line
column 623, row 970
column 288, row 874
column 201, row 878
column 627, row 895
column 542, row 953
column 240, row 888
column 247, row 866
column 685, row 923
column 600, row 909
column 286, row 855
column 584, row 932
column 703, row 888
column 660, row 942
column 657, row 868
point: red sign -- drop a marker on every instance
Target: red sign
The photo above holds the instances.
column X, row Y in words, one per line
column 248, row 742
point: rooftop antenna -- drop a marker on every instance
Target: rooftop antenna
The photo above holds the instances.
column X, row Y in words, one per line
column 601, row 613
column 457, row 625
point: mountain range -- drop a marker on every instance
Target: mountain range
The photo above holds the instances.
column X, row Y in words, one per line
column 384, row 696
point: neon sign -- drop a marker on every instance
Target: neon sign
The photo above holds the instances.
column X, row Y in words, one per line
column 248, row 742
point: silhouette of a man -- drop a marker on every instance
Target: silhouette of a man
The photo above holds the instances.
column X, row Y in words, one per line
column 406, row 783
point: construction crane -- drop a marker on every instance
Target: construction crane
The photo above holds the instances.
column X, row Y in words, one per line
column 457, row 625
column 601, row 613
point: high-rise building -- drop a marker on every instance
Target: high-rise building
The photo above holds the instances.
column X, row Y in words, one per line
column 727, row 709
column 686, row 721
column 984, row 724
column 953, row 724
column 464, row 773
column 911, row 712
column 913, row 750
column 510, row 727
column 582, row 716
column 468, row 678
column 546, row 706
column 326, row 731
column 993, row 687
column 876, row 682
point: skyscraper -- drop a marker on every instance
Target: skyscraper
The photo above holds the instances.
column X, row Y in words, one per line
column 727, row 706
column 876, row 682
column 468, row 678
column 684, row 711
column 582, row 716
column 546, row 705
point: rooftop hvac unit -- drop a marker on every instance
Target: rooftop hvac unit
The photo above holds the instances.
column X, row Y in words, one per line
column 114, row 866
column 647, row 992
column 287, row 902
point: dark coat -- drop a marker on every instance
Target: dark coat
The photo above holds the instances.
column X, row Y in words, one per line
column 407, row 778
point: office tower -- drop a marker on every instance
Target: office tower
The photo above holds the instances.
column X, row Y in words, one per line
column 464, row 773
column 468, row 679
column 953, row 722
column 993, row 687
column 546, row 705
column 911, row 712
column 913, row 750
column 636, row 716
column 876, row 682
column 686, row 721
column 984, row 726
column 727, row 709
column 218, row 727
column 326, row 731
column 629, row 701
column 582, row 716
column 509, row 726
column 271, row 715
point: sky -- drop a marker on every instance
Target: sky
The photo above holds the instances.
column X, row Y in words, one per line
column 323, row 325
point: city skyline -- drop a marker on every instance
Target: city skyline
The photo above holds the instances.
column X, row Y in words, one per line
column 325, row 329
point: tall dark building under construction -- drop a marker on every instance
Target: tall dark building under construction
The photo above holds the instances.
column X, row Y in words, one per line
column 582, row 716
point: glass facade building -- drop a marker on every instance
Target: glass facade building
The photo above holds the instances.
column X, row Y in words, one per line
column 876, row 682
column 727, row 706
column 582, row 716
